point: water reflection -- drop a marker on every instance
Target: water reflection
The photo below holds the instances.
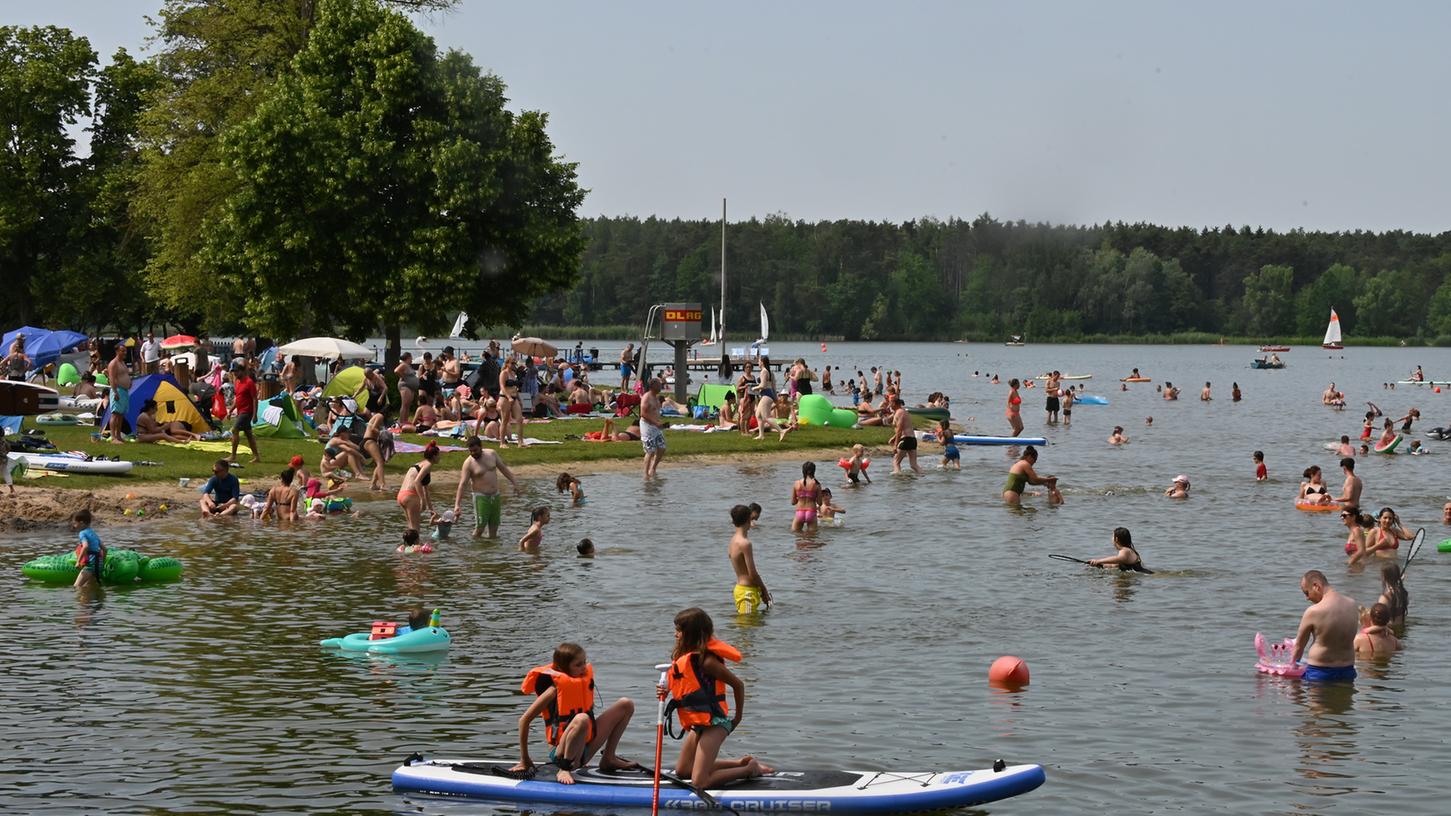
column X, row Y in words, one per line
column 1327, row 739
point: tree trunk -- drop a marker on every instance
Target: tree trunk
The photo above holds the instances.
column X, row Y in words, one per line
column 392, row 333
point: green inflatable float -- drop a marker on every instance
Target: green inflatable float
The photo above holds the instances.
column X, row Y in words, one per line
column 67, row 375
column 121, row 567
column 814, row 409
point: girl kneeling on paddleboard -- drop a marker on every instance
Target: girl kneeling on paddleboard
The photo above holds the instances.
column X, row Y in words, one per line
column 698, row 678
column 565, row 695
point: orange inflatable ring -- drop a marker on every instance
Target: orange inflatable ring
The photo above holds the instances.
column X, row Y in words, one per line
column 1313, row 507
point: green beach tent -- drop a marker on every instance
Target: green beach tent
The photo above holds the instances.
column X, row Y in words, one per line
column 282, row 419
column 348, row 383
column 713, row 395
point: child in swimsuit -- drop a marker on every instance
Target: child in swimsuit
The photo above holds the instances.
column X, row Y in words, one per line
column 857, row 465
column 950, row 455
column 532, row 538
column 570, row 483
column 804, row 494
column 1375, row 636
column 825, row 510
column 749, row 592
column 1126, row 559
column 697, row 652
column 410, row 543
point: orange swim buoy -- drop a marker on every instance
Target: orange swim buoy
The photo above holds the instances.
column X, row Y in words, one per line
column 1008, row 671
column 823, row 348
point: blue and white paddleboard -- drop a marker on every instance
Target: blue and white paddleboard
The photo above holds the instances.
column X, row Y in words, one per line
column 834, row 791
column 1090, row 399
column 963, row 439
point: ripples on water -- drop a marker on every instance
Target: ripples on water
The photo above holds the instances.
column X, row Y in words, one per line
column 211, row 695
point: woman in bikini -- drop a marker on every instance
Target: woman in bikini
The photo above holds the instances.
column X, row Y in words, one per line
column 413, row 497
column 424, row 418
column 1393, row 593
column 1014, row 409
column 804, row 494
column 373, row 447
column 407, row 383
column 487, row 425
column 509, row 409
column 1313, row 489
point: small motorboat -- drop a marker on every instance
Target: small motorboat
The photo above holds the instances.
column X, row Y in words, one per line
column 1262, row 363
column 1272, row 349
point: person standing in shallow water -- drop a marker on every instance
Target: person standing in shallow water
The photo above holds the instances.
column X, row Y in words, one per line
column 1015, row 407
column 1326, row 637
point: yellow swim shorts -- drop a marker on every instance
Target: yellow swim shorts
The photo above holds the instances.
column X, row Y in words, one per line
column 747, row 598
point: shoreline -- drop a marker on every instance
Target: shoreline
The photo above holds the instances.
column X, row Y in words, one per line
column 49, row 508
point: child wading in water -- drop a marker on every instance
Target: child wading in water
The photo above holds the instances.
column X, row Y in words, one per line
column 750, row 591
column 570, row 483
column 856, row 466
column 951, row 457
column 565, row 695
column 90, row 553
column 698, row 679
column 538, row 517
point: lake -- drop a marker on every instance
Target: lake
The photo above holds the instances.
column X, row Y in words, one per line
column 211, row 695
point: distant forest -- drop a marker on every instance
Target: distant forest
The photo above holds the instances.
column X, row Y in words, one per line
column 985, row 279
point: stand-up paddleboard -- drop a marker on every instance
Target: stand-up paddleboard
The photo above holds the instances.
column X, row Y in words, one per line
column 818, row 791
column 1135, row 379
column 1067, row 377
column 62, row 463
column 1090, row 399
column 1388, row 447
column 1424, row 382
column 963, row 439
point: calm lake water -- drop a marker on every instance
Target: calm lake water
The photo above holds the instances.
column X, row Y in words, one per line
column 211, row 695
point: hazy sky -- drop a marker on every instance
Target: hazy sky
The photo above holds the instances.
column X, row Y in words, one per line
column 1324, row 115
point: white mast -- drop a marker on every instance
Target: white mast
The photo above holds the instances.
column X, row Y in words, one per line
column 722, row 269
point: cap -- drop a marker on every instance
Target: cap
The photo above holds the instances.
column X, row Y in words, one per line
column 1181, row 478
column 295, row 461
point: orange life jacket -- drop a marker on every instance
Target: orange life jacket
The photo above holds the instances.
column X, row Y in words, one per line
column 573, row 695
column 695, row 698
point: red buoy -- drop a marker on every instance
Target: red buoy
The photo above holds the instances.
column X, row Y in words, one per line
column 1008, row 671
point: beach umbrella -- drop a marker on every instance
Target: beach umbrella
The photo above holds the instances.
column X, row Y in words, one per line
column 330, row 347
column 42, row 346
column 177, row 341
column 532, row 346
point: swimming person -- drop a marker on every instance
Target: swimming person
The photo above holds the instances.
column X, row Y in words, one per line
column 1385, row 538
column 804, row 493
column 570, row 483
column 698, row 679
column 1127, row 558
column 1313, row 489
column 951, row 456
column 856, row 468
column 1021, row 474
column 1360, row 526
column 1375, row 636
column 750, row 590
column 414, row 496
column 1262, row 473
column 1350, row 492
column 1344, row 448
column 538, row 517
column 1179, row 489
column 1326, row 637
column 564, row 694
column 1204, row 394
column 1117, row 437
column 825, row 509
column 1015, row 405
column 1393, row 593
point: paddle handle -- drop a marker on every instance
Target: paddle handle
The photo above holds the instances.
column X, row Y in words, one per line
column 660, row 687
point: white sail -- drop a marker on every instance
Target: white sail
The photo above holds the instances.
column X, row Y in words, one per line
column 765, row 326
column 458, row 325
column 1332, row 332
column 713, row 338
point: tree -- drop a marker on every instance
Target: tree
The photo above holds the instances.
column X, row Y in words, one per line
column 1268, row 303
column 101, row 281
column 1438, row 312
column 373, row 167
column 45, row 76
column 1335, row 289
column 1386, row 307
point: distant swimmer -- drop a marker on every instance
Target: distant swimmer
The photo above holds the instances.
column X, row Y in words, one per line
column 1021, row 474
column 1204, row 394
column 1170, row 392
column 1127, row 558
column 1117, row 437
column 1344, row 448
column 1234, row 393
column 1179, row 489
column 1014, row 407
column 1327, row 397
column 1261, row 472
column 1326, row 637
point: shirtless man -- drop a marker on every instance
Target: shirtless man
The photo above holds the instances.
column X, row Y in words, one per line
column 1350, row 494
column 118, row 374
column 1204, row 395
column 1331, row 623
column 652, row 433
column 750, row 591
column 480, row 474
column 282, row 498
column 627, row 359
column 1327, row 397
column 904, row 442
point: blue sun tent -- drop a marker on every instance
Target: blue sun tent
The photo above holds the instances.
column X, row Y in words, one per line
column 171, row 404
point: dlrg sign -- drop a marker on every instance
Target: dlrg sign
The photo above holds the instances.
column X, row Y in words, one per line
column 681, row 321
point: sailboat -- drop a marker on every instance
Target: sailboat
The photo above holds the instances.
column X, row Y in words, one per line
column 457, row 331
column 713, row 338
column 765, row 331
column 1015, row 340
column 1332, row 333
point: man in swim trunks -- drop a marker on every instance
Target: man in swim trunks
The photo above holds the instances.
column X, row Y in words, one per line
column 652, row 433
column 750, row 591
column 904, row 442
column 1331, row 623
column 118, row 374
column 1350, row 494
column 627, row 358
column 480, row 474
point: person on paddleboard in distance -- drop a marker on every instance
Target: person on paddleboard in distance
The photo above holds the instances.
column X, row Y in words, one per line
column 1022, row 474
column 1127, row 558
column 1326, row 637
column 698, row 679
column 564, row 695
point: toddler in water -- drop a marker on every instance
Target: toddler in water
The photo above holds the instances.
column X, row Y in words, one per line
column 585, row 548
column 570, row 483
column 755, row 513
column 442, row 525
column 410, row 543
column 538, row 517
column 857, row 465
column 951, row 457
column 1261, row 472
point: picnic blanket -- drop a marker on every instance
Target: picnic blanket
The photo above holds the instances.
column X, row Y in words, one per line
column 216, row 446
column 413, row 447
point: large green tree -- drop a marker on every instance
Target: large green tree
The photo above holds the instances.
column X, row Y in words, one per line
column 45, row 76
column 1269, row 304
column 379, row 185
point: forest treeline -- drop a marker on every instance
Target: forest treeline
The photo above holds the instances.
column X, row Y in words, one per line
column 985, row 279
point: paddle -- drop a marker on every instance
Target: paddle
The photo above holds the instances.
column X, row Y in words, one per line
column 700, row 793
column 1414, row 549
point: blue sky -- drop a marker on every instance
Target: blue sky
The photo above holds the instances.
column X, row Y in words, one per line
column 1328, row 115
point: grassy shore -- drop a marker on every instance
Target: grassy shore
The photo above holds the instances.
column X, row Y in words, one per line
column 174, row 463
